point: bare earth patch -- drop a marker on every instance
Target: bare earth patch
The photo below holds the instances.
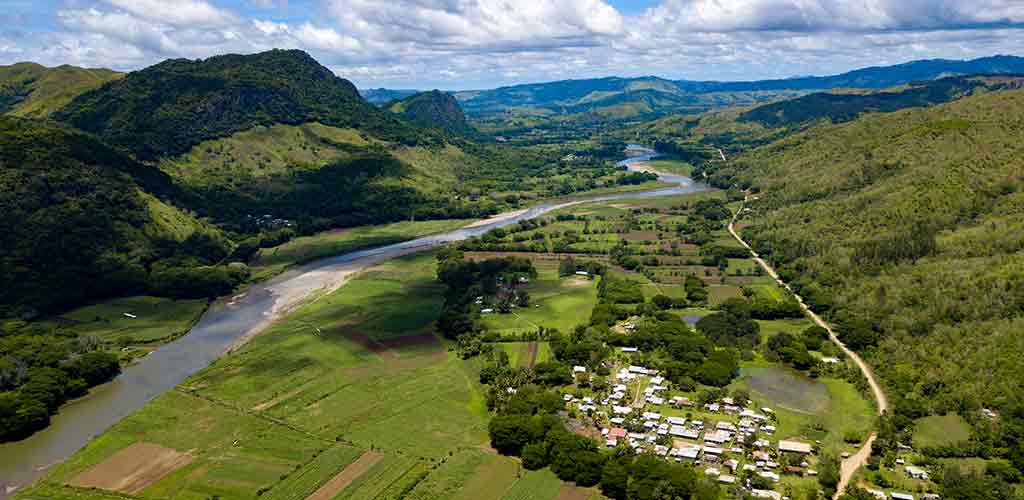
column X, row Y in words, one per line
column 573, row 492
column 350, row 473
column 132, row 469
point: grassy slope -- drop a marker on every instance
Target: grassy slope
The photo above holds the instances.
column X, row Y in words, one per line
column 956, row 166
column 564, row 303
column 44, row 90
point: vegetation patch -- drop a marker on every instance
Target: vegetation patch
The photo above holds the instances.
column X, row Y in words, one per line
column 343, row 479
column 936, row 431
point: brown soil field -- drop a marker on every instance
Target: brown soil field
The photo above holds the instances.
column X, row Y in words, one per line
column 132, row 469
column 350, row 473
column 573, row 492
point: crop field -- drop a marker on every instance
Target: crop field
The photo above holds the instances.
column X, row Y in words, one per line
column 521, row 353
column 337, row 242
column 768, row 291
column 720, row 293
column 155, row 318
column 941, row 430
column 539, row 485
column 290, row 409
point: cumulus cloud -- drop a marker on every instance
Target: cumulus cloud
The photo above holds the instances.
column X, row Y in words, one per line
column 478, row 43
column 177, row 12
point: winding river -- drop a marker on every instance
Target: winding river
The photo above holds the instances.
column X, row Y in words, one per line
column 229, row 322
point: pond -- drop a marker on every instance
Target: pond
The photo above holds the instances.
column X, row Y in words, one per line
column 787, row 388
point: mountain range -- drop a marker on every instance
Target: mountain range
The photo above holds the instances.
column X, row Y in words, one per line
column 615, row 97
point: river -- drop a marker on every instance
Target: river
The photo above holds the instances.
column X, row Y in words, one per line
column 230, row 321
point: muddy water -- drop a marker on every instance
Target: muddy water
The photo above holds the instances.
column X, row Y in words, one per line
column 232, row 320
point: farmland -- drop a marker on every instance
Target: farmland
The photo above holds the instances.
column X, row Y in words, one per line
column 155, row 319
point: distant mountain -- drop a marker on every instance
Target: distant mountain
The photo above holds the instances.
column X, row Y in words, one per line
column 432, row 109
column 383, row 96
column 168, row 108
column 35, row 91
column 629, row 97
column 845, row 106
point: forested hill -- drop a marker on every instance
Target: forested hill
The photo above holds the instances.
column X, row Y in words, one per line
column 33, row 90
column 905, row 229
column 82, row 221
column 433, row 109
column 166, row 109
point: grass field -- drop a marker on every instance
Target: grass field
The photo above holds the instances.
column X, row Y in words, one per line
column 720, row 293
column 768, row 291
column 307, row 248
column 534, row 485
column 289, row 409
column 941, row 430
column 564, row 303
column 677, row 167
column 156, row 318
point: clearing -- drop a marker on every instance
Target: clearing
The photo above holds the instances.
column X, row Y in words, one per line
column 155, row 319
column 941, row 431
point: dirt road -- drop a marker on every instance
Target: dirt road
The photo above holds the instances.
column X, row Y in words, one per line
column 850, row 465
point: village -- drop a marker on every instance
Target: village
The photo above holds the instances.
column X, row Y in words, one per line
column 726, row 439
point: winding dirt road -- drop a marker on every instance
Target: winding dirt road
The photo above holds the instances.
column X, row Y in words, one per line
column 855, row 461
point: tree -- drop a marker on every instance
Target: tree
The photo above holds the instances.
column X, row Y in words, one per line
column 663, row 301
column 535, row 456
column 566, row 267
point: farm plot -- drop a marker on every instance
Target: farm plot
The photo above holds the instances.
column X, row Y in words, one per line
column 133, row 468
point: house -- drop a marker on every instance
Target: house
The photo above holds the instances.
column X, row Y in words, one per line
column 712, row 471
column 679, row 401
column 617, row 433
column 487, row 311
column 567, row 398
column 658, row 380
column 916, row 472
column 611, row 443
column 676, row 420
column 582, row 273
column 727, row 479
column 773, row 495
column 829, row 360
column 130, row 315
column 718, row 436
column 771, row 476
column 711, row 450
column 794, row 447
column 677, row 430
column 732, row 464
column 901, row 496
column 688, row 453
column 629, row 350
column 621, row 410
column 878, row 494
column 655, row 400
column 712, row 407
column 579, row 369
column 768, row 429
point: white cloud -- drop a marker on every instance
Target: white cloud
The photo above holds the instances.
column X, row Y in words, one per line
column 177, row 12
column 483, row 43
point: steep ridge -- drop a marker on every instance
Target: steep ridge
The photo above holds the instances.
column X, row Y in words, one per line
column 168, row 108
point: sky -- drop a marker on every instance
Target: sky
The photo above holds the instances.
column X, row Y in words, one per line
column 473, row 44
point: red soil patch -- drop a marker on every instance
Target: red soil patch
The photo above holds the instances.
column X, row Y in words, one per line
column 420, row 340
column 132, row 469
column 350, row 473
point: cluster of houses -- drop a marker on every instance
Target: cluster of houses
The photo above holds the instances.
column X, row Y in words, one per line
column 728, row 449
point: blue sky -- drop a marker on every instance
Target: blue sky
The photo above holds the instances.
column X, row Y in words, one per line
column 464, row 44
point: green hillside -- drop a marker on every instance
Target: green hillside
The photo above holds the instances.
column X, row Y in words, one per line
column 167, row 109
column 35, row 91
column 77, row 211
column 905, row 229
